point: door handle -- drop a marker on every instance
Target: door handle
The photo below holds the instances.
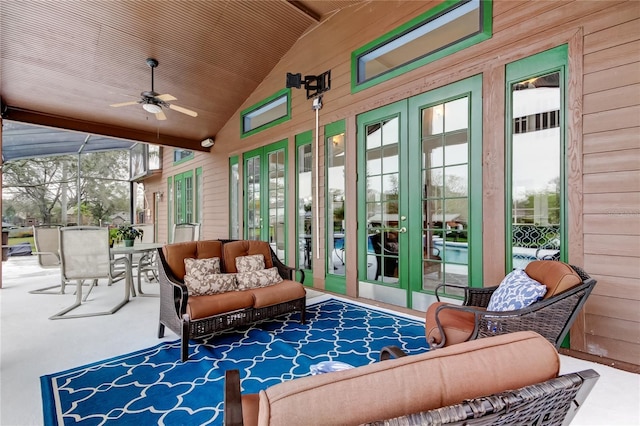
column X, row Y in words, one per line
column 402, row 230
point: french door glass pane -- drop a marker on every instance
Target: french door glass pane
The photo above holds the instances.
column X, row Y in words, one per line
column 383, row 189
column 336, row 185
column 253, row 198
column 305, row 199
column 234, row 194
column 536, row 190
column 188, row 199
column 445, row 202
column 276, row 202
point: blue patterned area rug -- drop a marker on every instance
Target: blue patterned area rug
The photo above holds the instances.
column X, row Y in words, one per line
column 152, row 386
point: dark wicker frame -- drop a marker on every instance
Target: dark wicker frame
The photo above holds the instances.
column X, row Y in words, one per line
column 553, row 402
column 552, row 317
column 173, row 307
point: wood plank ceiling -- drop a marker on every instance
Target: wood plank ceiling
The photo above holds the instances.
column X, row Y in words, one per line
column 64, row 62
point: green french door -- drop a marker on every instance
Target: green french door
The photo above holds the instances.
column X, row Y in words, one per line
column 421, row 194
column 265, row 188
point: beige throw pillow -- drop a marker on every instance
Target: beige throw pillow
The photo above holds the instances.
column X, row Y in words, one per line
column 257, row 279
column 203, row 277
column 253, row 262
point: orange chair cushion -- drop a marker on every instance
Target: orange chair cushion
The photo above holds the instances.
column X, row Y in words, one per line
column 458, row 326
column 244, row 248
column 557, row 276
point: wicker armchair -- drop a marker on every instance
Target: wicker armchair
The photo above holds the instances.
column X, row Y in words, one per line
column 568, row 289
column 554, row 402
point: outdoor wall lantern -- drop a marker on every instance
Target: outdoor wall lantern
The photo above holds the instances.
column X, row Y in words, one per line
column 314, row 84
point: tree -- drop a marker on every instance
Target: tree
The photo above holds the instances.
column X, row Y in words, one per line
column 104, row 186
column 38, row 180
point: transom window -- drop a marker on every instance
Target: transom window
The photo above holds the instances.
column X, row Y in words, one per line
column 445, row 29
column 269, row 112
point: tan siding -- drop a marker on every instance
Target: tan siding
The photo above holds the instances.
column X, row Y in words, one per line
column 617, row 287
column 624, row 75
column 612, row 99
column 603, row 137
column 622, row 160
column 611, row 58
column 615, row 266
column 620, row 245
column 612, row 140
column 614, row 349
column 625, row 309
column 611, row 224
column 628, row 181
column 618, row 34
column 613, row 328
column 613, row 203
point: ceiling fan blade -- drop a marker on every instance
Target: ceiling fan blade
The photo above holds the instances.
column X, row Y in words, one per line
column 121, row 104
column 166, row 97
column 160, row 116
column 183, row 110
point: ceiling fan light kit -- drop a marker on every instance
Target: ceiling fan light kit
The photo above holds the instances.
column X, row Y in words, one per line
column 152, row 108
column 154, row 102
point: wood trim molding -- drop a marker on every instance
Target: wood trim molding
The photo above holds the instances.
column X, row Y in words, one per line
column 42, row 119
column 574, row 172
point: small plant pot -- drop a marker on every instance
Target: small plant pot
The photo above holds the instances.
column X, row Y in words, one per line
column 128, row 243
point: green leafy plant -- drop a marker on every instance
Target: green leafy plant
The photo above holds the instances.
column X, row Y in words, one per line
column 127, row 232
column 113, row 236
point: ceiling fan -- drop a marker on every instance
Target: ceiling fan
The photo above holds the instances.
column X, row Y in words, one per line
column 154, row 102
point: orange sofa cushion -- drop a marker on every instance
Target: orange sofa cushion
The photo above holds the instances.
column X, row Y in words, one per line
column 205, row 306
column 175, row 254
column 284, row 291
column 556, row 276
column 458, row 326
column 244, row 248
column 409, row 384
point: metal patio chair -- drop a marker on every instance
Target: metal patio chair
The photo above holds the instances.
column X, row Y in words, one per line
column 85, row 255
column 146, row 264
column 47, row 241
column 183, row 232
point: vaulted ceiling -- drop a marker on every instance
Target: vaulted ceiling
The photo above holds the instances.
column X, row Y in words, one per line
column 63, row 63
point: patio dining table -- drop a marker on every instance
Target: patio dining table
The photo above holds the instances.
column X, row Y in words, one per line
column 140, row 248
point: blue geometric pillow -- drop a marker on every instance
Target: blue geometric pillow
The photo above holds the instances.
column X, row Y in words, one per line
column 516, row 291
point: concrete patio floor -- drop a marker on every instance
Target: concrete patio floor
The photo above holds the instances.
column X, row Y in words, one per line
column 31, row 345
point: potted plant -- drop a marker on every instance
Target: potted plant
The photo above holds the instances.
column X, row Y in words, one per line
column 127, row 233
column 113, row 236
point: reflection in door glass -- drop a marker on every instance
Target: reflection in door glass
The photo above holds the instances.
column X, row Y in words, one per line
column 305, row 199
column 335, row 206
column 445, row 202
column 383, row 189
column 276, row 203
column 253, row 198
column 234, row 196
column 536, row 139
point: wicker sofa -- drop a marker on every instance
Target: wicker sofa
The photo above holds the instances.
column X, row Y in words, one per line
column 507, row 379
column 195, row 317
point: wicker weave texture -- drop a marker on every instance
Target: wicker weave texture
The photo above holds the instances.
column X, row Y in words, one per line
column 545, row 403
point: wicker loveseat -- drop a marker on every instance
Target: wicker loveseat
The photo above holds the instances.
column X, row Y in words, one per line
column 195, row 317
column 508, row 379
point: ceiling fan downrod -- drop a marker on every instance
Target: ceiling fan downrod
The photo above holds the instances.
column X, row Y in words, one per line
column 152, row 64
